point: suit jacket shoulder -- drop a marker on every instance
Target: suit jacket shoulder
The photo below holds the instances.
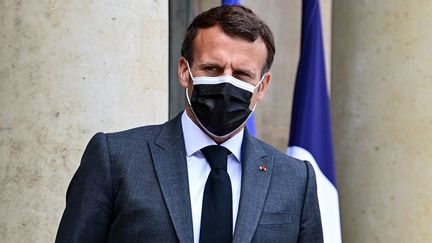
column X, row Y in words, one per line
column 284, row 195
column 118, row 193
column 280, row 157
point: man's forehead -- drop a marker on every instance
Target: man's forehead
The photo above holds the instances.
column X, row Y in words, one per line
column 213, row 44
column 209, row 33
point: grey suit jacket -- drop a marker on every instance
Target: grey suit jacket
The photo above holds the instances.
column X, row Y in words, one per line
column 132, row 186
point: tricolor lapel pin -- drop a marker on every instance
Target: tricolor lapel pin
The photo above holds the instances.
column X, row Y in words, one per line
column 263, row 168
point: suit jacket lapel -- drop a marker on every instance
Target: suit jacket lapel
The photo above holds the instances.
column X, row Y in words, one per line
column 169, row 158
column 255, row 183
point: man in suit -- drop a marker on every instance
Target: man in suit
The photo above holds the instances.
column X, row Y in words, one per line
column 160, row 184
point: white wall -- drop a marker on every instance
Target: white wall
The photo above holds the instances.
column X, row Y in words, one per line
column 67, row 70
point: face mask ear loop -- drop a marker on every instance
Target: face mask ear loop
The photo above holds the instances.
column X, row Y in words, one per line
column 259, row 83
column 189, row 70
column 190, row 73
column 187, row 97
column 253, row 109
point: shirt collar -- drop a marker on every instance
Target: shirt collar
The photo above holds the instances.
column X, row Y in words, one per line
column 195, row 139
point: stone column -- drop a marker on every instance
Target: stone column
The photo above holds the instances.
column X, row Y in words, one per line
column 381, row 96
column 67, row 70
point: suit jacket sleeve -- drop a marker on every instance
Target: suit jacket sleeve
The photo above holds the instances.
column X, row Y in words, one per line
column 87, row 216
column 310, row 224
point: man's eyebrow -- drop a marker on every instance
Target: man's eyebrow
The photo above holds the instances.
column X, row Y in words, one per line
column 247, row 71
column 209, row 64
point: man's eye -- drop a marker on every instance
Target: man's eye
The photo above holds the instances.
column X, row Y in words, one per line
column 211, row 69
column 243, row 76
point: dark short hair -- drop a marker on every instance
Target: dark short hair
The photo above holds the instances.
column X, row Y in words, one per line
column 237, row 21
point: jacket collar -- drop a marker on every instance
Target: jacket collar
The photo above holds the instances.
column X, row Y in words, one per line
column 169, row 158
column 257, row 168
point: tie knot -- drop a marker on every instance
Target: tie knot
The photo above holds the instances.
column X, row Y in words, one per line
column 216, row 156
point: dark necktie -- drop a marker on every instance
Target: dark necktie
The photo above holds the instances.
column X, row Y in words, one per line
column 216, row 216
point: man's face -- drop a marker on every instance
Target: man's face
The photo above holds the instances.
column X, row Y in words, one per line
column 216, row 54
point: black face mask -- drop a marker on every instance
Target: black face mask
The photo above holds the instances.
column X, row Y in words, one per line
column 221, row 104
column 220, row 108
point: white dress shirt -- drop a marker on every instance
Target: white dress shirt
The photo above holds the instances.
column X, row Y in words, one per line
column 198, row 168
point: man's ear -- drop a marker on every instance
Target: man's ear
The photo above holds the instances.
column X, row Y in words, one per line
column 262, row 89
column 183, row 72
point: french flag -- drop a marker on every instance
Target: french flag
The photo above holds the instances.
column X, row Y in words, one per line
column 310, row 134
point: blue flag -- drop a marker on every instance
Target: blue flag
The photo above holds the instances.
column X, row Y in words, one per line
column 310, row 134
column 230, row 2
